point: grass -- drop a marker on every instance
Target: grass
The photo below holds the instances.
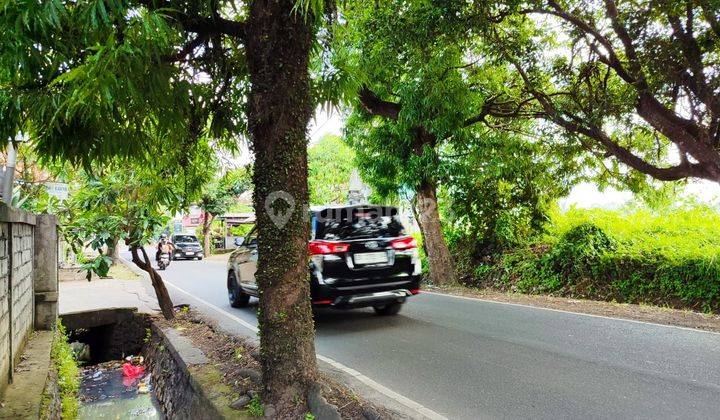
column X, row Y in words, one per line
column 691, row 231
column 68, row 373
column 255, row 407
column 122, row 272
column 667, row 257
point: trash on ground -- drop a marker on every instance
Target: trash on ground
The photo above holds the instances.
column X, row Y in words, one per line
column 107, row 392
column 132, row 372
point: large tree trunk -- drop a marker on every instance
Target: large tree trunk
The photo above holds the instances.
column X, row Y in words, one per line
column 442, row 266
column 207, row 222
column 278, row 47
column 113, row 251
column 416, row 214
column 163, row 297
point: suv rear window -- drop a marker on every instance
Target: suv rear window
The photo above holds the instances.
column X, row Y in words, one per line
column 345, row 223
column 184, row 238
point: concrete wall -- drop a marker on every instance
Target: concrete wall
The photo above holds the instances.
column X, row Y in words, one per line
column 5, row 365
column 25, row 261
column 21, row 283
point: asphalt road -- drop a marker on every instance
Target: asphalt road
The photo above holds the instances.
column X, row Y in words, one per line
column 469, row 359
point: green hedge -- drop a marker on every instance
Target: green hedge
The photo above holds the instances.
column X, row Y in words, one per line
column 666, row 259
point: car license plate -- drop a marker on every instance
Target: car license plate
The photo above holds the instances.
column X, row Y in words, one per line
column 189, row 253
column 371, row 258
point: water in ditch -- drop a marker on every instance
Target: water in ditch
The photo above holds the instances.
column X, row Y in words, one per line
column 105, row 392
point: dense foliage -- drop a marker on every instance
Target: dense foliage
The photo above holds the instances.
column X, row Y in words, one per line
column 330, row 163
column 635, row 80
column 498, row 192
column 668, row 257
column 421, row 127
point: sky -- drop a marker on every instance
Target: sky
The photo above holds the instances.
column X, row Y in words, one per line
column 584, row 195
column 325, row 123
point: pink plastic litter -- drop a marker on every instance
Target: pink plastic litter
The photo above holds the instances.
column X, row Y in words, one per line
column 131, row 371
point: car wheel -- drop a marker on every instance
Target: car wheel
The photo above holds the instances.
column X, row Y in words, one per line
column 199, row 258
column 387, row 310
column 237, row 297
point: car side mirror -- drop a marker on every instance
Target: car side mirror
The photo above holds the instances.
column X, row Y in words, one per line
column 239, row 241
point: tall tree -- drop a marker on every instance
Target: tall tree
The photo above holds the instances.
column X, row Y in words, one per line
column 422, row 83
column 90, row 79
column 280, row 105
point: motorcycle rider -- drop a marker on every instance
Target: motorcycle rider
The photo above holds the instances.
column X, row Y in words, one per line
column 164, row 247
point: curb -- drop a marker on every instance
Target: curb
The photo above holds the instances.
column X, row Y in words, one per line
column 370, row 390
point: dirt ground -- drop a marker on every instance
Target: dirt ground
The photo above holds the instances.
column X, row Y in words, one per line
column 122, row 271
column 231, row 354
column 117, row 271
column 646, row 313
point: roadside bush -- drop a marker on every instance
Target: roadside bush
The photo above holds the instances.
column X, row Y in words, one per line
column 668, row 258
column 67, row 373
column 574, row 255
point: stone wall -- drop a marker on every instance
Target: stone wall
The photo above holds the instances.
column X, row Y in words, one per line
column 23, row 258
column 187, row 385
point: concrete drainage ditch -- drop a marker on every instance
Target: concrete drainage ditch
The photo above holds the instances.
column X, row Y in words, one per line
column 168, row 378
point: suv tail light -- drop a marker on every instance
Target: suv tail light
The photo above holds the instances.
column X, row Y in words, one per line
column 322, row 247
column 407, row 242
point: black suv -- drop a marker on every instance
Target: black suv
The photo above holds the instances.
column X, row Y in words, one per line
column 360, row 256
column 187, row 246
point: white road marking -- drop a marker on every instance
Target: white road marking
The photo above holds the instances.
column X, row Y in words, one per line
column 401, row 399
column 570, row 312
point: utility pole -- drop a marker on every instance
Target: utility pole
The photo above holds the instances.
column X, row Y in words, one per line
column 7, row 180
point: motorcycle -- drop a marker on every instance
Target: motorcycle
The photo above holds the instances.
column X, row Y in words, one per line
column 164, row 261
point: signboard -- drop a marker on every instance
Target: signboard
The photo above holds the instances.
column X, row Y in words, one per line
column 58, row 189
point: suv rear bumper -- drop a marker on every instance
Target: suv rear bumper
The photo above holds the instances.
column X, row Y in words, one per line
column 364, row 295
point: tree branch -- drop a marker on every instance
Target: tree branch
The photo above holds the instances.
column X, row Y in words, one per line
column 585, row 27
column 198, row 24
column 376, row 106
column 693, row 57
column 624, row 155
column 622, row 33
column 710, row 17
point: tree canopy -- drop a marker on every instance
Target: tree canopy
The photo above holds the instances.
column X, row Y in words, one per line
column 630, row 80
column 420, row 121
column 92, row 81
column 330, row 163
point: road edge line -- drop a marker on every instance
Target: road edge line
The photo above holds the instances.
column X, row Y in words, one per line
column 680, row 327
column 399, row 398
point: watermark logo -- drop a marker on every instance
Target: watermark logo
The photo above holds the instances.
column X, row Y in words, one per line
column 279, row 206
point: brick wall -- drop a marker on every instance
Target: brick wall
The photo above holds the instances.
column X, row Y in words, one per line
column 28, row 282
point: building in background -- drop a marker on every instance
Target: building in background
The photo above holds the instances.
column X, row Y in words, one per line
column 358, row 192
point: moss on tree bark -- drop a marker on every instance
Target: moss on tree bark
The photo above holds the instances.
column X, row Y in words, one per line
column 280, row 106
